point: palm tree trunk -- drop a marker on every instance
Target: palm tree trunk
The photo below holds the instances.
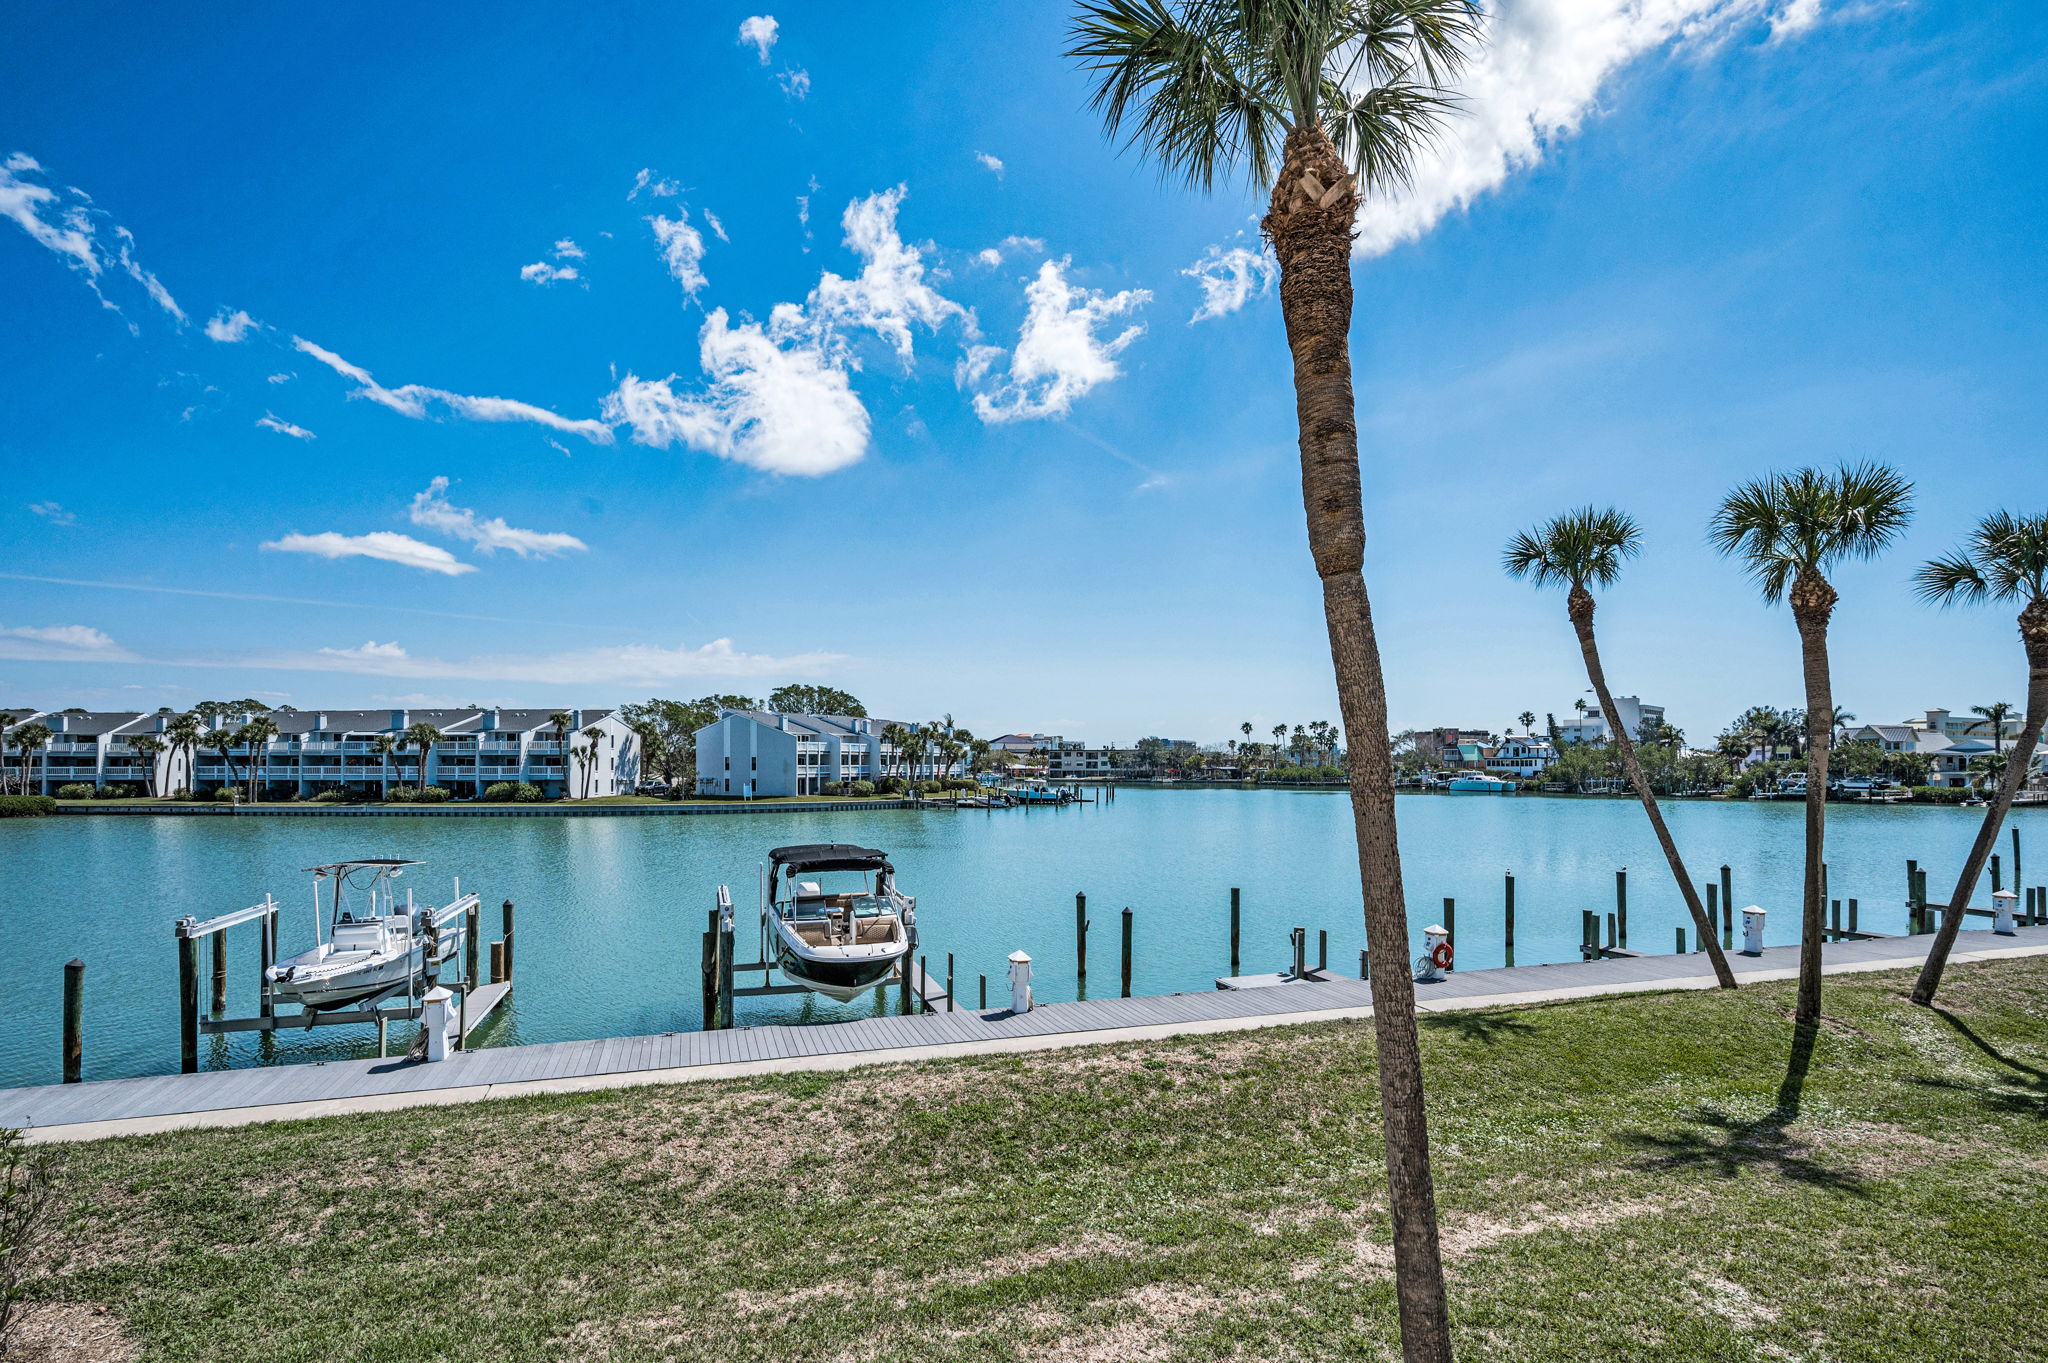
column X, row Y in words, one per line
column 1581, row 607
column 1313, row 245
column 2034, row 635
column 1813, row 602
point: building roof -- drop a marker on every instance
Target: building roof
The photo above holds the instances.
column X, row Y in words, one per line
column 93, row 723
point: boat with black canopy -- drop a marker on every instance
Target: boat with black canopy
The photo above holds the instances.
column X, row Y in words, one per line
column 837, row 938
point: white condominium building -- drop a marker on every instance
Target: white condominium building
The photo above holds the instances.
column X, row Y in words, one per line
column 584, row 753
column 762, row 754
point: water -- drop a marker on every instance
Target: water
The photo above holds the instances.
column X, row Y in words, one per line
column 611, row 910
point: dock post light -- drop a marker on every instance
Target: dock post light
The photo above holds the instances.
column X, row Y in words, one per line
column 1752, row 931
column 1020, row 982
column 2001, row 913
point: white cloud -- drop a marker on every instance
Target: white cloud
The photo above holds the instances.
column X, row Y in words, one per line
column 774, row 401
column 975, row 363
column 795, row 82
column 53, row 513
column 627, row 664
column 646, row 181
column 682, row 250
column 412, row 400
column 1535, row 81
column 283, row 376
column 890, row 292
column 58, row 644
column 387, row 545
column 993, row 256
column 432, row 510
column 759, row 30
column 65, row 221
column 717, row 227
column 1229, row 279
column 990, row 163
column 1059, row 358
column 229, row 327
column 271, row 423
column 541, row 272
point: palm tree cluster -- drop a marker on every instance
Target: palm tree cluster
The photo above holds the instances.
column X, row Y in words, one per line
column 1303, row 745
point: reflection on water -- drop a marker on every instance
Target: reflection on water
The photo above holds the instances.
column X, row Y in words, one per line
column 611, row 910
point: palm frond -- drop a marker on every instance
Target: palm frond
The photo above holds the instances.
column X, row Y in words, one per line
column 1574, row 549
column 2013, row 551
column 1950, row 580
column 1785, row 524
column 1379, row 132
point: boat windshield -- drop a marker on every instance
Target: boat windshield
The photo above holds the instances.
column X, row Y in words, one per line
column 815, row 899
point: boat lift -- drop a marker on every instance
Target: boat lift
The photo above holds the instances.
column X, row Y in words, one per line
column 720, row 967
column 477, row 998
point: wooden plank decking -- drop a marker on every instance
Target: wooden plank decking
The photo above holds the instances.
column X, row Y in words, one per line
column 689, row 1055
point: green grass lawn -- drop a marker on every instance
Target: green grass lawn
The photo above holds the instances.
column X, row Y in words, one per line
column 1619, row 1179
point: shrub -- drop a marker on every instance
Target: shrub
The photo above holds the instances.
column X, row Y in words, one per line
column 433, row 795
column 863, row 787
column 499, row 791
column 117, row 792
column 527, row 793
column 330, row 797
column 1940, row 795
column 26, row 806
column 401, row 795
column 77, row 790
column 890, row 785
column 181, row 793
column 227, row 795
column 928, row 788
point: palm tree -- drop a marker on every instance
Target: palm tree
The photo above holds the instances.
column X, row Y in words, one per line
column 425, row 736
column 222, row 740
column 1318, row 102
column 146, row 747
column 1791, row 528
column 385, row 745
column 1528, row 721
column 1589, row 546
column 593, row 733
column 182, row 734
column 257, row 734
column 2004, row 559
column 1994, row 716
column 28, row 739
column 896, row 737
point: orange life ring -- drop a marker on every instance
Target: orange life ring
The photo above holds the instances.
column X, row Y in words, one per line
column 1440, row 954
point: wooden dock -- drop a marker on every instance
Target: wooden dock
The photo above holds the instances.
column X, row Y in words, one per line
column 230, row 1097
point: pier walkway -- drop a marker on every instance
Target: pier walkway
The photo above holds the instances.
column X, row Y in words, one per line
column 116, row 1107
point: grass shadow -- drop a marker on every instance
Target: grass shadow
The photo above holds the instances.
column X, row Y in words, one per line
column 2027, row 1095
column 1726, row 1145
column 1485, row 1025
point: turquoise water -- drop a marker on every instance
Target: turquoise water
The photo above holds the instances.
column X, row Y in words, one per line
column 610, row 910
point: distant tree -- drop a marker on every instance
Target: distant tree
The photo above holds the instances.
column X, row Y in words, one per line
column 587, row 754
column 146, row 747
column 2004, row 559
column 27, row 740
column 800, row 699
column 423, row 736
column 256, row 736
column 1528, row 721
column 1993, row 718
column 1790, row 530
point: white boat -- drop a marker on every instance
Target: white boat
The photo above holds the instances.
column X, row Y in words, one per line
column 374, row 944
column 838, row 941
column 1480, row 782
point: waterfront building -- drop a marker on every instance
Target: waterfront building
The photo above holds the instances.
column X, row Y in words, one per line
column 1523, row 755
column 763, row 754
column 1073, row 760
column 1024, row 745
column 1591, row 726
column 1967, row 726
column 583, row 753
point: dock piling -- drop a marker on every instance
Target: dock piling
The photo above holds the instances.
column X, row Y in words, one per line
column 1298, row 940
column 982, row 996
column 1234, row 925
column 74, row 1020
column 220, row 973
column 1727, row 906
column 1589, row 934
column 1080, row 937
column 1510, row 932
column 1713, row 909
column 469, row 942
column 1322, row 948
column 1450, row 921
column 498, row 969
column 507, row 907
column 949, row 981
column 1613, row 937
column 266, row 957
column 188, row 1000
column 1364, row 964
column 1681, row 941
column 1997, row 883
column 1852, row 916
column 1127, row 951
column 1619, row 936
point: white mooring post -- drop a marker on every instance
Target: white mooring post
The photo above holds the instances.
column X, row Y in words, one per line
column 1752, row 931
column 437, row 1018
column 2001, row 913
column 1020, row 982
column 1436, row 952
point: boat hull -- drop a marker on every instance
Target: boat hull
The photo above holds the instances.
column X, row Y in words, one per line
column 319, row 982
column 844, row 980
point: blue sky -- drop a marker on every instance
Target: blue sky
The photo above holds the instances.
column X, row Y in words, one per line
column 878, row 366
